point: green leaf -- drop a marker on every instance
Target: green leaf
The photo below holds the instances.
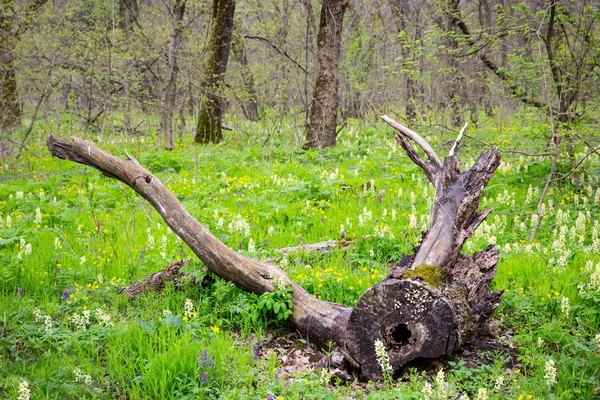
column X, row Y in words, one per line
column 145, row 326
column 174, row 321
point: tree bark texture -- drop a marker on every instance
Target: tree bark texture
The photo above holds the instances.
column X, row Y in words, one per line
column 156, row 281
column 213, row 104
column 10, row 110
column 10, row 30
column 168, row 104
column 431, row 303
column 322, row 125
column 128, row 14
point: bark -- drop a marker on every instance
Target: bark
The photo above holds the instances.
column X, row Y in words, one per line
column 10, row 111
column 155, row 282
column 248, row 100
column 210, row 116
column 320, row 320
column 129, row 13
column 168, row 106
column 430, row 304
column 10, row 30
column 322, row 125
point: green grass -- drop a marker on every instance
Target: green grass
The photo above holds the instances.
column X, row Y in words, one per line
column 96, row 235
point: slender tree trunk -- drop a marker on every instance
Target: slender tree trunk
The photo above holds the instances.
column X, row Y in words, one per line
column 210, row 116
column 168, row 106
column 248, row 99
column 322, row 125
column 129, row 13
column 10, row 110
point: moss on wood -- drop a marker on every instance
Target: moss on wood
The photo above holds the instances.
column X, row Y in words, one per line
column 432, row 275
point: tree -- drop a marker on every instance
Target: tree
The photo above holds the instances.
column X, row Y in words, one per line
column 176, row 10
column 129, row 13
column 212, row 108
column 430, row 304
column 321, row 129
column 248, row 100
column 11, row 27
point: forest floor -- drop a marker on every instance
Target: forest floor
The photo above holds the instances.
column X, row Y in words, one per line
column 70, row 238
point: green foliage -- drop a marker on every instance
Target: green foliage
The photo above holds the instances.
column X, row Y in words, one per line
column 95, row 237
column 277, row 303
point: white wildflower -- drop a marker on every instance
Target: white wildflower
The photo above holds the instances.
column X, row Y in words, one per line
column 24, row 391
column 163, row 247
column 166, row 313
column 150, row 239
column 550, row 375
column 271, row 230
column 427, row 391
column 482, row 394
column 38, row 216
column 499, row 382
column 188, row 308
column 103, row 318
column 57, row 244
column 19, row 195
column 251, row 246
column 48, row 324
column 37, row 315
column 565, row 307
column 82, row 260
column 8, row 221
column 440, row 384
column 383, row 359
column 240, row 225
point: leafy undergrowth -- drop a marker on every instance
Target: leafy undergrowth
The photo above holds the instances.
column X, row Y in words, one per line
column 69, row 238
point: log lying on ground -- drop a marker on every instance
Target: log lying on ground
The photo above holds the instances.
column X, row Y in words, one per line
column 430, row 304
column 155, row 282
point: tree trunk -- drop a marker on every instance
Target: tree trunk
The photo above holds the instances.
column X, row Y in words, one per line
column 168, row 106
column 10, row 110
column 248, row 98
column 322, row 125
column 128, row 14
column 430, row 304
column 212, row 108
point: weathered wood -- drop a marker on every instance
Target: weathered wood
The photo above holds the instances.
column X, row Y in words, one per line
column 409, row 317
column 434, row 301
column 155, row 282
column 320, row 320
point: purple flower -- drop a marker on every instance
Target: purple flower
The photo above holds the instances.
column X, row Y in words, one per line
column 203, row 359
column 204, row 378
column 66, row 294
column 269, row 396
column 211, row 362
column 21, row 291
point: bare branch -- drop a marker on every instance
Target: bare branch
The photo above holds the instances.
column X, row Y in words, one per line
column 458, row 139
column 434, row 163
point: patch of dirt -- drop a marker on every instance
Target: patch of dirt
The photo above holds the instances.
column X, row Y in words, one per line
column 296, row 356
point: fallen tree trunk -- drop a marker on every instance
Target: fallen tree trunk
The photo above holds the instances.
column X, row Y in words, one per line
column 430, row 304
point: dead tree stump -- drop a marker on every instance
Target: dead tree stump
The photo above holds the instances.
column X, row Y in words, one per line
column 430, row 304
